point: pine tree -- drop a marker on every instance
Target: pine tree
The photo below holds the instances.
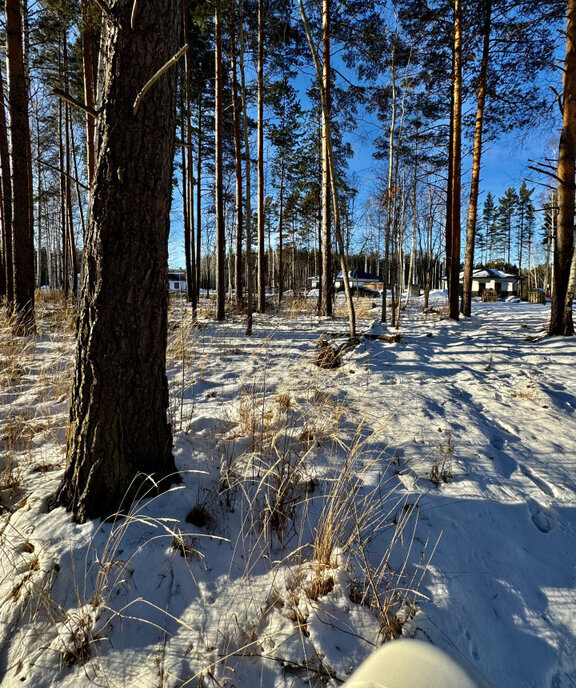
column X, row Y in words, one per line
column 119, row 433
column 525, row 220
column 504, row 226
column 22, row 258
column 561, row 320
column 489, row 226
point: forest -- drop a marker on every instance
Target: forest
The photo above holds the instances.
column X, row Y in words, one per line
column 331, row 436
column 262, row 89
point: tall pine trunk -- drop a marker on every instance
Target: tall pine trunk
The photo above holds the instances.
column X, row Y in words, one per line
column 90, row 31
column 199, row 198
column 188, row 179
column 280, row 266
column 218, row 174
column 476, row 164
column 248, row 176
column 455, row 175
column 261, row 300
column 326, row 234
column 561, row 322
column 238, row 199
column 119, row 432
column 22, row 226
column 332, row 171
column 6, row 203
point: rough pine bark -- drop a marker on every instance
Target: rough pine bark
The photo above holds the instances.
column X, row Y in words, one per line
column 119, row 430
column 561, row 321
column 6, row 202
column 22, row 226
column 455, row 177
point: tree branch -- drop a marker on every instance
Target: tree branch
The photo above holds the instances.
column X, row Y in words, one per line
column 70, row 99
column 65, row 174
column 540, row 170
column 133, row 14
column 156, row 76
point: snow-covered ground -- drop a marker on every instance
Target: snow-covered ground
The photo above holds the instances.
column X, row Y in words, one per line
column 426, row 487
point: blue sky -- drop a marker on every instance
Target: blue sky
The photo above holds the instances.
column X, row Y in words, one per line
column 505, row 164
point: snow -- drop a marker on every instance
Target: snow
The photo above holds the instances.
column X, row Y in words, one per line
column 438, row 466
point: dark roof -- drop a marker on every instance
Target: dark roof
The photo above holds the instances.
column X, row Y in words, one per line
column 359, row 274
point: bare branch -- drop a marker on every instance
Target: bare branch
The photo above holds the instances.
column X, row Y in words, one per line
column 559, row 99
column 70, row 99
column 133, row 14
column 540, row 170
column 65, row 174
column 156, row 76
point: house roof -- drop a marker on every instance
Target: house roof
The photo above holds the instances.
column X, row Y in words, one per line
column 360, row 274
column 491, row 273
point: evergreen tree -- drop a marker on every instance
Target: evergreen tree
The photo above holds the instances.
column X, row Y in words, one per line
column 504, row 225
column 22, row 258
column 561, row 319
column 119, row 432
column 489, row 226
column 525, row 221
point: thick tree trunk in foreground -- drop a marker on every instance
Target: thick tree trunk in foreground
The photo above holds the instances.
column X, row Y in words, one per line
column 119, row 430
column 22, row 226
column 561, row 322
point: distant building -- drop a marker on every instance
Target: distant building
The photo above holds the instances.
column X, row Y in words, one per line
column 503, row 283
column 359, row 278
column 177, row 280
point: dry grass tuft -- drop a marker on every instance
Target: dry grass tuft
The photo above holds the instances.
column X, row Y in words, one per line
column 441, row 470
column 296, row 306
column 55, row 313
column 15, row 353
column 327, row 355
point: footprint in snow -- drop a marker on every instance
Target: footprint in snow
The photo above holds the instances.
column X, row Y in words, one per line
column 504, row 464
column 497, row 442
column 539, row 482
column 541, row 517
column 473, row 649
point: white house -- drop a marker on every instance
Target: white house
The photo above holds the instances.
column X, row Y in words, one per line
column 358, row 278
column 504, row 283
column 177, row 280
